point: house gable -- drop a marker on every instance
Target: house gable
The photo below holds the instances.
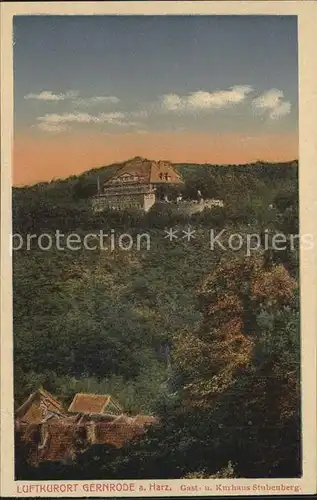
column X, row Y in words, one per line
column 139, row 170
column 94, row 404
column 39, row 406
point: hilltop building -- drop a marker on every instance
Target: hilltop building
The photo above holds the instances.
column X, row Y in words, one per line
column 135, row 185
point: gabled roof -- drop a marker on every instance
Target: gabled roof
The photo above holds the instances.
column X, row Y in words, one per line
column 52, row 404
column 143, row 420
column 122, row 429
column 68, row 436
column 94, row 404
column 139, row 170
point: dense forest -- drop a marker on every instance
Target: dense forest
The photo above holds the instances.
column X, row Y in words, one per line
column 206, row 340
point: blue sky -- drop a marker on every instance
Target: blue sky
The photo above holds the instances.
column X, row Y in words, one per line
column 201, row 74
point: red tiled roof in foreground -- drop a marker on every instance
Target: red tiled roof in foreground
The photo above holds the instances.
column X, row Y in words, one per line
column 58, row 436
column 39, row 404
column 122, row 429
column 61, row 439
column 94, row 404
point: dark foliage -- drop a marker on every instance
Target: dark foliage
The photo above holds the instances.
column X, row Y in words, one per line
column 153, row 327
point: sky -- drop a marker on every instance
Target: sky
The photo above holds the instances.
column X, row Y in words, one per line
column 93, row 90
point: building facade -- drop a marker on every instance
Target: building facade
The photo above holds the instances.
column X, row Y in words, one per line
column 46, row 432
column 134, row 185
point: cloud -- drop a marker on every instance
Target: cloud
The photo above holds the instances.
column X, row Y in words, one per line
column 52, row 128
column 51, row 121
column 172, row 102
column 272, row 103
column 66, row 118
column 142, row 113
column 48, row 95
column 92, row 101
column 142, row 131
column 203, row 100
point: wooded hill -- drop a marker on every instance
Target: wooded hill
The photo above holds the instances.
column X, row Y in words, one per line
column 208, row 341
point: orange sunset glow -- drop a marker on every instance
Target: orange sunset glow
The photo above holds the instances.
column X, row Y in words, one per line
column 91, row 91
column 43, row 159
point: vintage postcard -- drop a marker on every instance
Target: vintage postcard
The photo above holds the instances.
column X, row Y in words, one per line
column 158, row 258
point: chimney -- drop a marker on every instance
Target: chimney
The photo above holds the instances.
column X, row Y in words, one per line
column 91, row 432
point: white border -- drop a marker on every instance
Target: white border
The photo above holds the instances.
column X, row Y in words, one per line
column 307, row 21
